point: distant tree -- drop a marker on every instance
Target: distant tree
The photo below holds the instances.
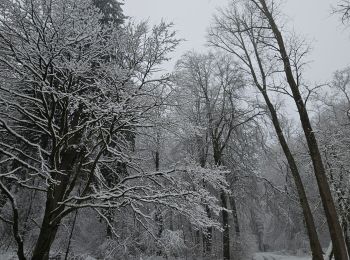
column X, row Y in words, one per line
column 111, row 10
column 212, row 84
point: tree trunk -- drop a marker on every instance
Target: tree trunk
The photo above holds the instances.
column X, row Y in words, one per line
column 334, row 227
column 225, row 214
column 49, row 226
column 207, row 236
column 346, row 234
column 309, row 220
column 237, row 231
column 109, row 232
column 158, row 218
column 197, row 242
column 70, row 236
column 156, row 160
column 46, row 237
column 347, row 237
column 225, row 224
column 15, row 222
column 53, row 209
column 235, row 215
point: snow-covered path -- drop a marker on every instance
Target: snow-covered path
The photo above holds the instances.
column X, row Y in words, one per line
column 275, row 256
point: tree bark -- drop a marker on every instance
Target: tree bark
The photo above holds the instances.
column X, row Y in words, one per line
column 334, row 227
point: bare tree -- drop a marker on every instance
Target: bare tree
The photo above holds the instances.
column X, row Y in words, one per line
column 216, row 84
column 334, row 227
column 242, row 31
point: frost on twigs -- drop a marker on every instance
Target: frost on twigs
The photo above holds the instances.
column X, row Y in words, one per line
column 72, row 95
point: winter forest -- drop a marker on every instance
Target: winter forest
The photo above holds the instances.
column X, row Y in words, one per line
column 232, row 155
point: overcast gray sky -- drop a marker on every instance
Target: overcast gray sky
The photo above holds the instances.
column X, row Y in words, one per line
column 311, row 18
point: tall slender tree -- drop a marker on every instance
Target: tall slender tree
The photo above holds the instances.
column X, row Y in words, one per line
column 340, row 252
column 241, row 31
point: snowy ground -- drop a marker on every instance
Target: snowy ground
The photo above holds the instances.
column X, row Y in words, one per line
column 7, row 256
column 275, row 256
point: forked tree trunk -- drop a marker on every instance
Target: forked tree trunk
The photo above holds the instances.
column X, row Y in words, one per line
column 50, row 224
column 53, row 209
column 334, row 227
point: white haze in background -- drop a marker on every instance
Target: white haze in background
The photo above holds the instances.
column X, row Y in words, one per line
column 311, row 18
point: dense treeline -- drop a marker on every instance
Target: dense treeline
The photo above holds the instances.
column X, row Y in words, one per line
column 104, row 156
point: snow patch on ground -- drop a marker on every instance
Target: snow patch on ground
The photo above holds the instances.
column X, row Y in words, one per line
column 8, row 256
column 275, row 256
